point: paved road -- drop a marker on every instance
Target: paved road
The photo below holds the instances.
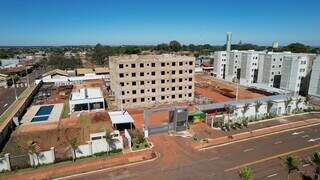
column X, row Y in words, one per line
column 179, row 161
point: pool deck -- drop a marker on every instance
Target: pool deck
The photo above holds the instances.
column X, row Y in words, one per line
column 54, row 116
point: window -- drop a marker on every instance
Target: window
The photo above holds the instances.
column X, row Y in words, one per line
column 190, row 95
column 134, row 92
column 190, row 87
column 134, row 83
column 180, row 88
column 153, row 90
column 173, row 88
column 190, row 71
column 173, row 64
column 141, row 73
column 120, row 66
column 173, row 96
column 123, row 93
column 141, row 65
column 163, row 72
column 133, row 65
column 153, row 64
column 142, row 91
column 141, row 82
column 190, row 79
column 153, row 98
column 180, row 95
column 163, row 64
column 133, row 74
column 162, row 81
column 190, row 63
column 121, row 75
column 142, row 99
column 180, row 79
column 153, row 73
column 123, row 101
column 180, row 71
column 180, row 63
column 153, row 82
column 163, row 97
column 173, row 72
column 163, row 89
column 122, row 83
column 173, row 80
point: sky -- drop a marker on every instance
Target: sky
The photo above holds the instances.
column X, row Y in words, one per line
column 147, row 22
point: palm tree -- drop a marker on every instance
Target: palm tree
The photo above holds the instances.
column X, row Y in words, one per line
column 245, row 109
column 287, row 102
column 269, row 106
column 33, row 150
column 291, row 163
column 257, row 106
column 230, row 110
column 298, row 101
column 245, row 173
column 73, row 143
column 108, row 139
column 316, row 161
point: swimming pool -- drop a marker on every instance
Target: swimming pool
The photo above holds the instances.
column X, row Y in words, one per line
column 40, row 118
column 44, row 110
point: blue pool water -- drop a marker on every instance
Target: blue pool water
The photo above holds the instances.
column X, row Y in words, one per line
column 40, row 118
column 44, row 110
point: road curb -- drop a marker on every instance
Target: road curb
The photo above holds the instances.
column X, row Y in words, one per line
column 109, row 168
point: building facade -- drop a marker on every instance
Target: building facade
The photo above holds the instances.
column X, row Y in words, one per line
column 314, row 88
column 249, row 67
column 141, row 80
column 234, row 65
column 220, row 64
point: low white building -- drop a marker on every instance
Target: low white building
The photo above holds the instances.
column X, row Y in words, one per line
column 86, row 99
column 3, row 80
column 121, row 119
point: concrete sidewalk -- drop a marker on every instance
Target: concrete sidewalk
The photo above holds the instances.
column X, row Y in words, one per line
column 80, row 166
column 220, row 141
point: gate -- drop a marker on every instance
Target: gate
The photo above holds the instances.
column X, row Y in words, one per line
column 20, row 162
column 161, row 128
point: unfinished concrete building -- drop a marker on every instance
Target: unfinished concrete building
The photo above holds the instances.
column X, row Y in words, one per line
column 143, row 80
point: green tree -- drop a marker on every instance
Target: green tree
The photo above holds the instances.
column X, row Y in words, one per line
column 297, row 48
column 316, row 161
column 61, row 62
column 109, row 138
column 245, row 109
column 245, row 173
column 291, row 163
column 287, row 102
column 175, row 46
column 73, row 144
column 269, row 106
column 257, row 106
column 101, row 54
column 138, row 137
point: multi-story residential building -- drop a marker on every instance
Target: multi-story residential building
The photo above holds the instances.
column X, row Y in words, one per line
column 140, row 80
column 234, row 65
column 270, row 66
column 249, row 67
column 314, row 88
column 294, row 72
column 220, row 64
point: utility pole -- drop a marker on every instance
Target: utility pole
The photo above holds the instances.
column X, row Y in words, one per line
column 14, row 86
column 27, row 77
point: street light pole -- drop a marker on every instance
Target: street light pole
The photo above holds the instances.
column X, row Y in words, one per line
column 14, row 86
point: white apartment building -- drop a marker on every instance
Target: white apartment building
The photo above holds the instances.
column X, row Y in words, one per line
column 270, row 68
column 234, row 65
column 314, row 88
column 140, row 80
column 220, row 64
column 294, row 70
column 249, row 67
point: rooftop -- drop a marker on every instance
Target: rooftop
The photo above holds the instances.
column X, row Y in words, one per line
column 120, row 117
column 86, row 93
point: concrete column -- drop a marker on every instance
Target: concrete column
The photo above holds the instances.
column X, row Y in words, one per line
column 90, row 148
column 88, row 106
column 32, row 161
column 7, row 157
column 53, row 154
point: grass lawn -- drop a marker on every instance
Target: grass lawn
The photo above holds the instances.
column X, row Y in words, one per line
column 143, row 145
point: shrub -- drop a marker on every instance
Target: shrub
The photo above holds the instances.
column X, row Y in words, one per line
column 195, row 137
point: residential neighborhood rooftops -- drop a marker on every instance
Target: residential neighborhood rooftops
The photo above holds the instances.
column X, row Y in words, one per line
column 56, row 71
column 100, row 70
column 83, row 71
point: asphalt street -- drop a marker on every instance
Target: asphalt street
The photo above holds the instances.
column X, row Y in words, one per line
column 223, row 162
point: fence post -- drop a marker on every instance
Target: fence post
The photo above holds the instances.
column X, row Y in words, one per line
column 7, row 156
column 53, row 154
column 90, row 148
